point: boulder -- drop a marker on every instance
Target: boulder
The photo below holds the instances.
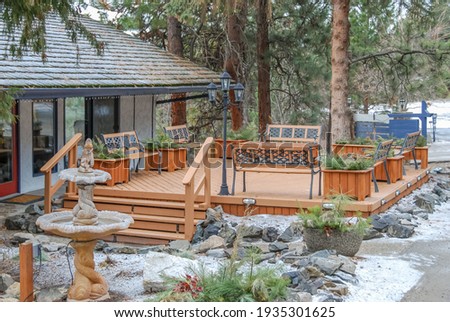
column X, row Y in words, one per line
column 212, row 230
column 51, row 295
column 211, row 243
column 180, row 245
column 425, row 202
column 5, row 282
column 287, row 235
column 400, row 231
column 13, row 290
column 160, row 266
column 278, row 247
column 269, row 234
column 228, row 233
column 327, row 265
column 250, row 233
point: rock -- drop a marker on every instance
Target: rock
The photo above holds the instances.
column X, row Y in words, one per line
column 51, row 295
column 302, row 297
column 16, row 222
column 287, row 235
column 405, row 216
column 337, row 289
column 262, row 246
column 372, row 233
column 216, row 253
column 422, row 215
column 5, row 282
column 23, row 237
column 400, row 231
column 381, row 223
column 180, row 245
column 34, row 209
column 250, row 233
column 425, row 202
column 211, row 243
column 440, row 192
column 160, row 266
column 444, row 185
column 228, row 233
column 198, row 236
column 269, row 234
column 278, row 247
column 52, row 247
column 313, row 271
column 240, row 253
column 292, row 276
column 219, row 209
column 13, row 290
column 327, row 265
column 212, row 230
column 406, row 209
column 8, row 299
column 348, row 266
column 212, row 216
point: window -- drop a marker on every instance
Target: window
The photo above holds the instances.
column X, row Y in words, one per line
column 75, row 118
column 102, row 116
column 44, row 133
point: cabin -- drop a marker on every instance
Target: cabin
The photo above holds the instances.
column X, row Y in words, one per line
column 77, row 91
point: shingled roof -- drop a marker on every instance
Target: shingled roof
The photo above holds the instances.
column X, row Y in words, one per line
column 126, row 62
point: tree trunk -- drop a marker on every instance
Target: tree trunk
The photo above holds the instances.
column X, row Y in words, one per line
column 234, row 58
column 262, row 48
column 175, row 46
column 341, row 115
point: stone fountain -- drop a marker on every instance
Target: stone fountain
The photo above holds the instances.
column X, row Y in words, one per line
column 84, row 225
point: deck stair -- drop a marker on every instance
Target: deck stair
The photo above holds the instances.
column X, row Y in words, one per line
column 155, row 221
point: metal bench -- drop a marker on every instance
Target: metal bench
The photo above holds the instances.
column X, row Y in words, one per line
column 289, row 158
column 409, row 147
column 380, row 156
column 129, row 143
column 293, row 133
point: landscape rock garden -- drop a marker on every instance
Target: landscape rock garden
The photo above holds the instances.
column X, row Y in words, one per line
column 138, row 273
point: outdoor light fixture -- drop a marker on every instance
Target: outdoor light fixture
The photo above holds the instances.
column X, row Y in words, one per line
column 409, row 185
column 397, row 192
column 418, row 178
column 249, row 202
column 328, row 206
column 402, row 104
column 225, row 80
column 383, row 202
column 212, row 90
column 428, row 171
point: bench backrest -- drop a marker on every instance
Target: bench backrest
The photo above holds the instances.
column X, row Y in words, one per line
column 293, row 133
column 128, row 142
column 382, row 151
column 410, row 141
column 178, row 133
column 275, row 155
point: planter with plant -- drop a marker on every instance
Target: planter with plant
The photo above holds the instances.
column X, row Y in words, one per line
column 356, row 146
column 173, row 155
column 234, row 138
column 330, row 229
column 421, row 151
column 113, row 162
column 350, row 175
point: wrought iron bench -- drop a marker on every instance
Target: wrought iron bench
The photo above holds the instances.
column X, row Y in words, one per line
column 409, row 147
column 290, row 158
column 129, row 143
column 180, row 134
column 293, row 133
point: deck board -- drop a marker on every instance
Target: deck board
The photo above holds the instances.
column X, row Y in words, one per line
column 274, row 192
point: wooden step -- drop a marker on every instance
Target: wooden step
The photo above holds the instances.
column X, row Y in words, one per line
column 171, row 220
column 141, row 202
column 150, row 234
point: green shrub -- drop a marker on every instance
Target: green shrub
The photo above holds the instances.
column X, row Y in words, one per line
column 348, row 162
column 101, row 151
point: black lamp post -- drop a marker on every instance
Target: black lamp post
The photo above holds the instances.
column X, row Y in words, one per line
column 402, row 104
column 225, row 79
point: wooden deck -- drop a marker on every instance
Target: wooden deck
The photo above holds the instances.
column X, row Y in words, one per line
column 157, row 201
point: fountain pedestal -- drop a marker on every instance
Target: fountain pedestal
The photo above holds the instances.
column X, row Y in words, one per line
column 84, row 225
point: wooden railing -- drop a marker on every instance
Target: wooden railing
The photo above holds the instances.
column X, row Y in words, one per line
column 201, row 161
column 69, row 149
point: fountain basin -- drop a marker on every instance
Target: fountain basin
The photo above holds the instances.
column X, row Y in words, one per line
column 84, row 178
column 60, row 223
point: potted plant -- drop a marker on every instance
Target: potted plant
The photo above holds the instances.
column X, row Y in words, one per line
column 328, row 228
column 113, row 162
column 173, row 155
column 234, row 138
column 421, row 151
column 350, row 174
column 358, row 146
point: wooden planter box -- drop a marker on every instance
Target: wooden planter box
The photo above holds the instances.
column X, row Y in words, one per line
column 119, row 169
column 352, row 148
column 218, row 147
column 171, row 159
column 355, row 183
column 421, row 155
column 394, row 167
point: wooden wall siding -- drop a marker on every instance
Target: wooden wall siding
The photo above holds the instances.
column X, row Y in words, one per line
column 157, row 201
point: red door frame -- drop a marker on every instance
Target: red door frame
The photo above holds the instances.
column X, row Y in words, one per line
column 12, row 186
